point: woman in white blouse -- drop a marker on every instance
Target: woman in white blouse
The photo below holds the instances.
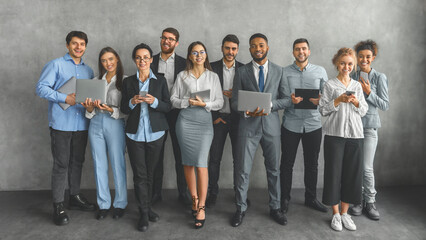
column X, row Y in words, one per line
column 194, row 126
column 106, row 136
column 343, row 103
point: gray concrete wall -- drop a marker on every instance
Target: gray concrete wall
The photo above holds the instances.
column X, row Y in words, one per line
column 33, row 33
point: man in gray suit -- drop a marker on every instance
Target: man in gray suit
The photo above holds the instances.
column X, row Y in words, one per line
column 260, row 75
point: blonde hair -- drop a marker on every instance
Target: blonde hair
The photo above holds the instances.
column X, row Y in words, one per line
column 344, row 52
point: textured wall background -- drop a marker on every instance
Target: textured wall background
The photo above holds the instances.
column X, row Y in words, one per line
column 33, row 33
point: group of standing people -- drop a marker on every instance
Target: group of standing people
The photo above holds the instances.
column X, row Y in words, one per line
column 157, row 100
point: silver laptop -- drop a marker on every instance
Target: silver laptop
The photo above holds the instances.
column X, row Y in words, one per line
column 67, row 88
column 90, row 88
column 249, row 101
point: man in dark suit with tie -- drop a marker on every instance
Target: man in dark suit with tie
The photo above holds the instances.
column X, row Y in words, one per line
column 260, row 75
column 169, row 64
column 225, row 121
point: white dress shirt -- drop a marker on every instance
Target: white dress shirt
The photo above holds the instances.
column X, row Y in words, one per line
column 345, row 119
column 168, row 68
column 256, row 71
column 228, row 80
column 113, row 100
column 186, row 83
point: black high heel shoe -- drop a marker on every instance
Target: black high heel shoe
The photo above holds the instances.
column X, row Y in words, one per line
column 199, row 223
column 194, row 205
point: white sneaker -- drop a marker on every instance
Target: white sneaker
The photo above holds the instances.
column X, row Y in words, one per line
column 347, row 222
column 336, row 222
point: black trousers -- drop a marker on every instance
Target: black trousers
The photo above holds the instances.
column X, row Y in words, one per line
column 144, row 157
column 343, row 170
column 311, row 143
column 159, row 170
column 221, row 131
column 68, row 150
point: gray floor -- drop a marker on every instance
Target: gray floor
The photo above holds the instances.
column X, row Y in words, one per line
column 27, row 215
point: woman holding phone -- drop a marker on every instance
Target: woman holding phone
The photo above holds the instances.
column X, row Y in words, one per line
column 375, row 87
column 106, row 136
column 343, row 103
column 146, row 100
column 194, row 126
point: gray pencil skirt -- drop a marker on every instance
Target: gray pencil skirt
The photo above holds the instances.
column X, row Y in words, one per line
column 194, row 130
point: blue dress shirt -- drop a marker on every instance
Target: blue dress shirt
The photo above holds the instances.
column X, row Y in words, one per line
column 312, row 77
column 144, row 133
column 55, row 74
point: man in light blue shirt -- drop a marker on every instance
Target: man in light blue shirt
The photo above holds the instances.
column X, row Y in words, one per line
column 302, row 124
column 68, row 128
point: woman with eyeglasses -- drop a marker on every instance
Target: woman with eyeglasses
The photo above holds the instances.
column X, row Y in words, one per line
column 145, row 99
column 106, row 136
column 194, row 126
column 375, row 87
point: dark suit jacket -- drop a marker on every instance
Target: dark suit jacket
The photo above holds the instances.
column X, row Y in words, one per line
column 218, row 69
column 158, row 89
column 180, row 64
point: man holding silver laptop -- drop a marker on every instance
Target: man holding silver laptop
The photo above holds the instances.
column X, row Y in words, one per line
column 68, row 128
column 258, row 76
column 301, row 124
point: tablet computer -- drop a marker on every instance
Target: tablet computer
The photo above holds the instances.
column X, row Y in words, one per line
column 204, row 95
column 67, row 88
column 306, row 94
column 249, row 101
column 90, row 88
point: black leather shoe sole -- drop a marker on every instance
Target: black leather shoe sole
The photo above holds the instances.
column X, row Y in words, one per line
column 60, row 220
column 237, row 219
column 102, row 214
column 118, row 213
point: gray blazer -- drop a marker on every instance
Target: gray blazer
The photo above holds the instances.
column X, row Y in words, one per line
column 245, row 80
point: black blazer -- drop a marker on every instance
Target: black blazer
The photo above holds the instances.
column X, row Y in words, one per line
column 158, row 89
column 180, row 64
column 218, row 69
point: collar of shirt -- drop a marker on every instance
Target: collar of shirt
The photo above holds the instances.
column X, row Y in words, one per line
column 151, row 75
column 67, row 57
column 294, row 65
column 225, row 67
column 172, row 57
column 113, row 79
column 265, row 66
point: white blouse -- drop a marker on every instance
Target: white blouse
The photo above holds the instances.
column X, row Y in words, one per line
column 186, row 83
column 113, row 100
column 345, row 119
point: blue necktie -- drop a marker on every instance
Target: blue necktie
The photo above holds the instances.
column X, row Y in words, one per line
column 261, row 79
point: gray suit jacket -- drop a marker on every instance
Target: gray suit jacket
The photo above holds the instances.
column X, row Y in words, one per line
column 245, row 80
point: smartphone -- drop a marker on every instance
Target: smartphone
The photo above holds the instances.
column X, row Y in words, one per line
column 143, row 93
column 349, row 93
column 364, row 75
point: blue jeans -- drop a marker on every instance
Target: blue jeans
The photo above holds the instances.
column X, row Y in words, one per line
column 107, row 138
column 370, row 145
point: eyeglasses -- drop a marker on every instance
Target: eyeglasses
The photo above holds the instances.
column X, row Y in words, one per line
column 195, row 53
column 170, row 39
column 145, row 59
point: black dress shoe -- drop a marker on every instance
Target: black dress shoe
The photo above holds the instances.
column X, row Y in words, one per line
column 102, row 214
column 117, row 213
column 79, row 202
column 284, row 205
column 278, row 216
column 315, row 204
column 185, row 200
column 143, row 222
column 60, row 217
column 211, row 200
column 152, row 216
column 156, row 198
column 237, row 219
